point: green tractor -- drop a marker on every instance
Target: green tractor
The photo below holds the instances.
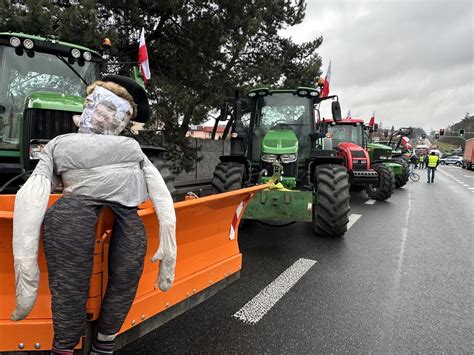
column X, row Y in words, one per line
column 42, row 85
column 284, row 145
column 400, row 148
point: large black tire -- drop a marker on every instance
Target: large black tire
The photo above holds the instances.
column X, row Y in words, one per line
column 228, row 176
column 384, row 189
column 331, row 209
column 401, row 180
column 164, row 168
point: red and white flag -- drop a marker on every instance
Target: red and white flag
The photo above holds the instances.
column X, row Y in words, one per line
column 372, row 120
column 327, row 79
column 143, row 58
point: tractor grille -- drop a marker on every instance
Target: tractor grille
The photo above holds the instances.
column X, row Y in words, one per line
column 45, row 125
column 359, row 165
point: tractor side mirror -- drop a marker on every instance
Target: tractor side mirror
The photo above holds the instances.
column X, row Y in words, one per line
column 2, row 109
column 376, row 127
column 336, row 111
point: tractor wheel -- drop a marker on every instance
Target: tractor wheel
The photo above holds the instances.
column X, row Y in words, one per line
column 401, row 180
column 331, row 209
column 164, row 168
column 384, row 189
column 228, row 176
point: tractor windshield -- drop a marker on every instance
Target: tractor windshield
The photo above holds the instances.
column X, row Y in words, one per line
column 22, row 74
column 347, row 133
column 283, row 109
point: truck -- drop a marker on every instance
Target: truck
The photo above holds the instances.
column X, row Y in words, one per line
column 42, row 85
column 468, row 157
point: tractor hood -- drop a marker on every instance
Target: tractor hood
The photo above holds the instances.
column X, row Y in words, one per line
column 55, row 101
column 280, row 142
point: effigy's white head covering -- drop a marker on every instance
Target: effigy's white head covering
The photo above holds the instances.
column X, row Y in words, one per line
column 108, row 109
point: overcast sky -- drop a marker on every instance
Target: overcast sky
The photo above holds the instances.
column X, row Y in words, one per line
column 412, row 61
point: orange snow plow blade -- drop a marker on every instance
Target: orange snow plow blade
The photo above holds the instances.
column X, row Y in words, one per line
column 208, row 255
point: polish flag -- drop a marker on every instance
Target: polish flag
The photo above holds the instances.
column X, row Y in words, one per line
column 372, row 120
column 143, row 58
column 327, row 79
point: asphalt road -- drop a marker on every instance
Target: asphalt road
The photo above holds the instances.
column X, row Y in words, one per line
column 399, row 281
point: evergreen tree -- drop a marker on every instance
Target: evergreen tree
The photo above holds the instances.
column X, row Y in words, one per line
column 200, row 51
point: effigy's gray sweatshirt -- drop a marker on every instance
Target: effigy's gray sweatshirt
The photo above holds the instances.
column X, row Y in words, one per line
column 112, row 168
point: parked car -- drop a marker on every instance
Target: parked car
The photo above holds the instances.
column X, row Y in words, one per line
column 451, row 160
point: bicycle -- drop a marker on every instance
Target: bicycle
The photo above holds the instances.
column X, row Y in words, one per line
column 413, row 176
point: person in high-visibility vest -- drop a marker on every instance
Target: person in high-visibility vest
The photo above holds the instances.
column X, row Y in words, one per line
column 433, row 162
column 421, row 160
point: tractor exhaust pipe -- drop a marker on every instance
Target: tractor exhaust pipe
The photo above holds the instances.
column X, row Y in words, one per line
column 239, row 133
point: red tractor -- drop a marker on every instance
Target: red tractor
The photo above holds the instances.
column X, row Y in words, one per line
column 349, row 138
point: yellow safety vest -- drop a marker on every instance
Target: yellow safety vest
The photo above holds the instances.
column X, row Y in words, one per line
column 432, row 161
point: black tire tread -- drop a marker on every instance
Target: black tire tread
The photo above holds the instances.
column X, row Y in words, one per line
column 331, row 210
column 228, row 176
column 384, row 189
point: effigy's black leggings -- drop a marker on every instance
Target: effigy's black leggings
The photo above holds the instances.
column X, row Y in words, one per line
column 69, row 238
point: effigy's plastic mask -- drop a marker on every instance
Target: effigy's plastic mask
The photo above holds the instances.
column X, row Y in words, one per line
column 104, row 113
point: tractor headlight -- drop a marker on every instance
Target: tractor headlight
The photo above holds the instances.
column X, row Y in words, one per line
column 87, row 56
column 383, row 157
column 35, row 151
column 288, row 158
column 76, row 53
column 28, row 43
column 269, row 158
column 15, row 42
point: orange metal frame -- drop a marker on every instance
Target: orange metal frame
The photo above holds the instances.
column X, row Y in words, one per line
column 206, row 255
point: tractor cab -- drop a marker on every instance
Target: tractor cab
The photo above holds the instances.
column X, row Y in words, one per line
column 346, row 130
column 42, row 85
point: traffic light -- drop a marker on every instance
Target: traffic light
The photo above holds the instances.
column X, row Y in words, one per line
column 461, row 133
column 423, row 136
column 437, row 135
column 441, row 131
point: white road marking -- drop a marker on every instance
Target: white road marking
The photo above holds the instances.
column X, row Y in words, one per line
column 467, row 185
column 369, row 202
column 469, row 176
column 352, row 219
column 258, row 306
column 471, row 188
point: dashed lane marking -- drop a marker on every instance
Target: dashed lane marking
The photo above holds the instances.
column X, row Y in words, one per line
column 258, row 306
column 352, row 219
column 369, row 202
